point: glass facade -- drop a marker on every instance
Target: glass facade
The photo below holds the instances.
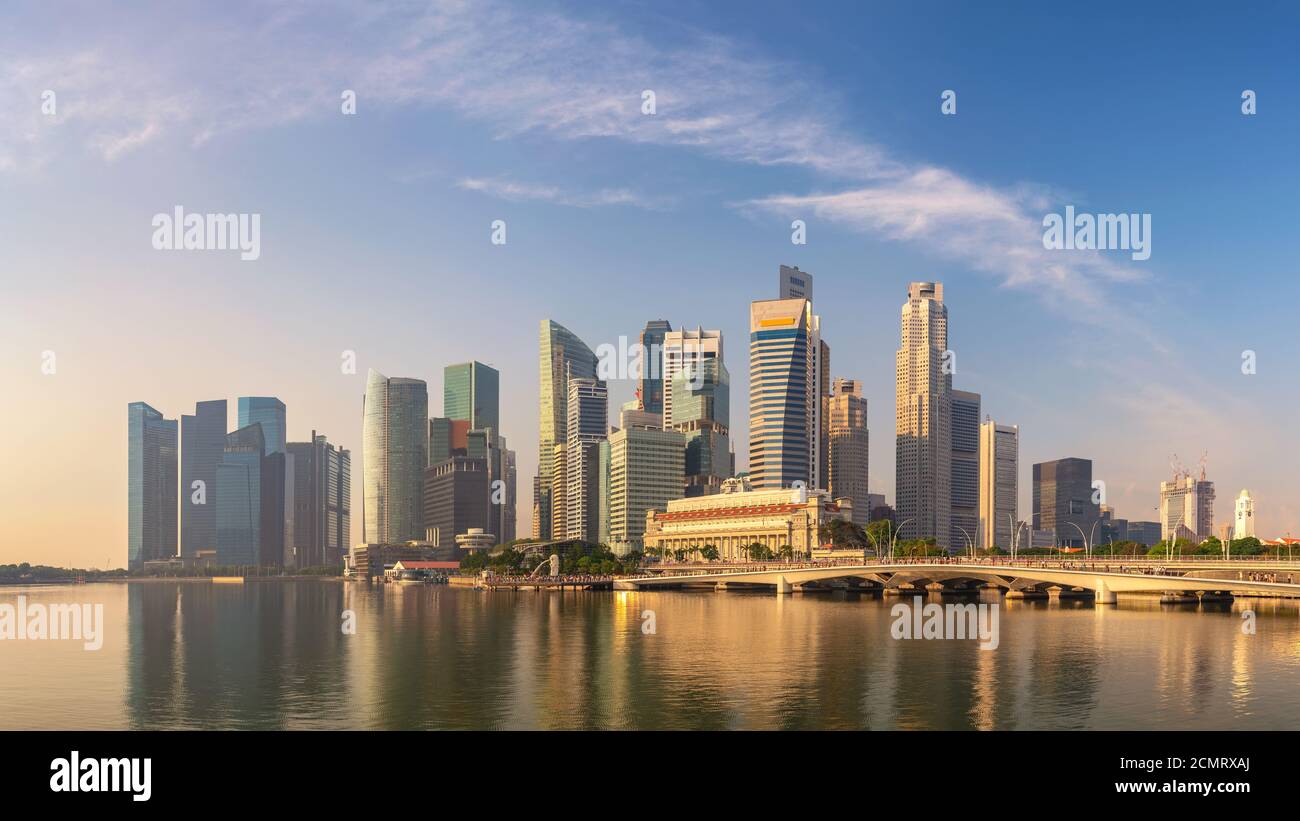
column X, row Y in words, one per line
column 964, row 470
column 203, row 441
column 701, row 411
column 561, row 355
column 650, row 388
column 239, row 494
column 151, row 485
column 269, row 412
column 394, row 454
column 471, row 391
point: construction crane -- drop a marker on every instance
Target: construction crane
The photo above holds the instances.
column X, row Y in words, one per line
column 1180, row 470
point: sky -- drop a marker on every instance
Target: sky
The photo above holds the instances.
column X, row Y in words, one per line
column 376, row 226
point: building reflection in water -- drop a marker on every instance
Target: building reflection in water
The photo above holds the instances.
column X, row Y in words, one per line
column 272, row 655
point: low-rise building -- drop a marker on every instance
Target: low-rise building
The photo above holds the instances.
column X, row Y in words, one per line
column 739, row 516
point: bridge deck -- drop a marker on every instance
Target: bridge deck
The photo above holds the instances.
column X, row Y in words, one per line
column 1104, row 578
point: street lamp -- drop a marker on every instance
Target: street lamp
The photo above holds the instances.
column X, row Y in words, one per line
column 893, row 537
column 970, row 543
column 1015, row 533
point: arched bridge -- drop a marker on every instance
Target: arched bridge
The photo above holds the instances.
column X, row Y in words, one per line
column 1104, row 581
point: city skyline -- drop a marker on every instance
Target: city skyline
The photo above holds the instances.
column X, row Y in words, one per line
column 1117, row 361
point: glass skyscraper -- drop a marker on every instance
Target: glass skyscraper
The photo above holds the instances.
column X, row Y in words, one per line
column 964, row 516
column 700, row 399
column 650, row 388
column 561, row 356
column 203, row 442
column 277, row 489
column 151, row 485
column 269, row 412
column 239, row 495
column 471, row 391
column 394, row 454
column 322, row 503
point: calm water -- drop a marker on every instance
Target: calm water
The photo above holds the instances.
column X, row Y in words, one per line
column 272, row 655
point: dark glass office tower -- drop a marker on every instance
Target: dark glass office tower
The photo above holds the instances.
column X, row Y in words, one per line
column 277, row 489
column 203, row 441
column 456, row 498
column 151, row 462
column 1063, row 501
column 240, row 497
column 964, row 509
column 650, row 388
column 322, row 503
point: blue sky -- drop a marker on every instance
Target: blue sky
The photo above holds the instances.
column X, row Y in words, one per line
column 375, row 227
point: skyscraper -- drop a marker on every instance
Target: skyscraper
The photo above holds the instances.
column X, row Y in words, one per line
column 1244, row 524
column 1187, row 508
column 849, row 447
column 587, row 426
column 322, row 503
column 269, row 412
column 681, row 351
column 1063, row 501
column 456, row 498
column 1112, row 529
column 999, row 491
column 701, row 412
column 650, row 387
column 394, row 454
column 646, row 470
column 923, row 407
column 203, row 441
column 510, row 494
column 784, row 400
column 241, row 497
column 794, row 284
column 964, row 509
column 151, row 468
column 471, row 391
column 278, row 477
column 447, row 437
column 561, row 355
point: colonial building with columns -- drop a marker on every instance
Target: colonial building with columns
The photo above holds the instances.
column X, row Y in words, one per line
column 739, row 516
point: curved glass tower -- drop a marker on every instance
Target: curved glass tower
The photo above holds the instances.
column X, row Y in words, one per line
column 394, row 454
column 562, row 355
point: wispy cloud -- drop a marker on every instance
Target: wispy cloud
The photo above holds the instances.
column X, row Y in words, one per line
column 992, row 230
column 519, row 70
column 523, row 192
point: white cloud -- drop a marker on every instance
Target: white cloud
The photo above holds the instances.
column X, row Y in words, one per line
column 524, row 192
column 995, row 231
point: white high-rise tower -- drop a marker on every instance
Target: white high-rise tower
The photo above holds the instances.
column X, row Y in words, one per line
column 924, row 416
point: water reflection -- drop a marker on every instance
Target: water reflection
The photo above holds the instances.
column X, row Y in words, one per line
column 271, row 655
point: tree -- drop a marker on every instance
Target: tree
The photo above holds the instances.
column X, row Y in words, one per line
column 878, row 534
column 759, row 552
column 786, row 553
column 709, row 552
